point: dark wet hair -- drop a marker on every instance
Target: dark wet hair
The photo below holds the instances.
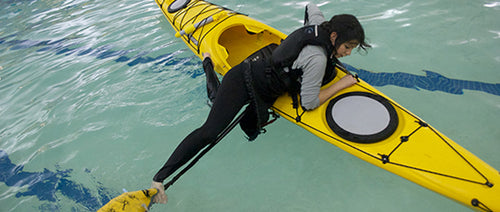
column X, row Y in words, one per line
column 347, row 28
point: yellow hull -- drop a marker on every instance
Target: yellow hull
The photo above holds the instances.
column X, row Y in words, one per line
column 428, row 158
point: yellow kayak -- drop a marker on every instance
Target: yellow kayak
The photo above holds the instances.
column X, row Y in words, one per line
column 378, row 130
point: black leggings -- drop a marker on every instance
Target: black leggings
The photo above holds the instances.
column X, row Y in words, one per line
column 231, row 96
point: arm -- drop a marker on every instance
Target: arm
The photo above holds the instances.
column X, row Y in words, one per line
column 313, row 15
column 314, row 66
column 313, row 63
column 345, row 82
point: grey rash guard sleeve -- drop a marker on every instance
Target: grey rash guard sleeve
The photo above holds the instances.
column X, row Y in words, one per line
column 312, row 60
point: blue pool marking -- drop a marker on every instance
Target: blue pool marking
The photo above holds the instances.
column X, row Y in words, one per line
column 46, row 185
column 68, row 47
column 432, row 81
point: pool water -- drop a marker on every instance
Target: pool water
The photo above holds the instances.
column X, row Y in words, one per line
column 95, row 95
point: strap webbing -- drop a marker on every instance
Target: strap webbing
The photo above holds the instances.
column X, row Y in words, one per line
column 201, row 154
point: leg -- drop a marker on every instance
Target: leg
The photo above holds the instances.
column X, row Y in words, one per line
column 213, row 83
column 231, row 97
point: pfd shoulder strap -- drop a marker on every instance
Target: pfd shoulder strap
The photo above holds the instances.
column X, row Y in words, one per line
column 289, row 49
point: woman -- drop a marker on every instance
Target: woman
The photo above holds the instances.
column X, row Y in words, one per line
column 299, row 66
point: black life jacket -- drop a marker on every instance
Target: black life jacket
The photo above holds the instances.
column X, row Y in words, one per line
column 289, row 49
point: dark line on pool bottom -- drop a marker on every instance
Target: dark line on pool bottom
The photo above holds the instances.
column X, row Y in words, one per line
column 46, row 185
column 432, row 81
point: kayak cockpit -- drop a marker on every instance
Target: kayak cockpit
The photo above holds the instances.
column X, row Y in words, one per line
column 239, row 41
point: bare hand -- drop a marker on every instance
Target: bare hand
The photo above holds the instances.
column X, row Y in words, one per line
column 160, row 197
column 344, row 82
column 347, row 81
column 205, row 55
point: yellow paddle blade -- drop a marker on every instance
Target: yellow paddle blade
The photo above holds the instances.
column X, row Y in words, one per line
column 134, row 201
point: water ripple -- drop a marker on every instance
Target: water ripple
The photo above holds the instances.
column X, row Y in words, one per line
column 388, row 14
column 492, row 4
column 106, row 78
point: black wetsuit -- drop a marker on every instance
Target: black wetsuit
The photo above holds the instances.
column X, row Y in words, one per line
column 258, row 81
column 246, row 83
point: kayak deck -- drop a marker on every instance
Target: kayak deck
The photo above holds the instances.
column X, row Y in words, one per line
column 229, row 40
column 415, row 150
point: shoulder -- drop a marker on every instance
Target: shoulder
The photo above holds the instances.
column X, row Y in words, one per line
column 314, row 52
column 311, row 56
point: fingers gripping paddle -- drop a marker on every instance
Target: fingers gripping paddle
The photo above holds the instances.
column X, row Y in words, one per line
column 140, row 201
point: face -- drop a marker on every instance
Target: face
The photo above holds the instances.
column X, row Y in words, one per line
column 346, row 48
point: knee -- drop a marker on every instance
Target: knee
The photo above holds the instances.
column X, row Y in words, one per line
column 206, row 136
